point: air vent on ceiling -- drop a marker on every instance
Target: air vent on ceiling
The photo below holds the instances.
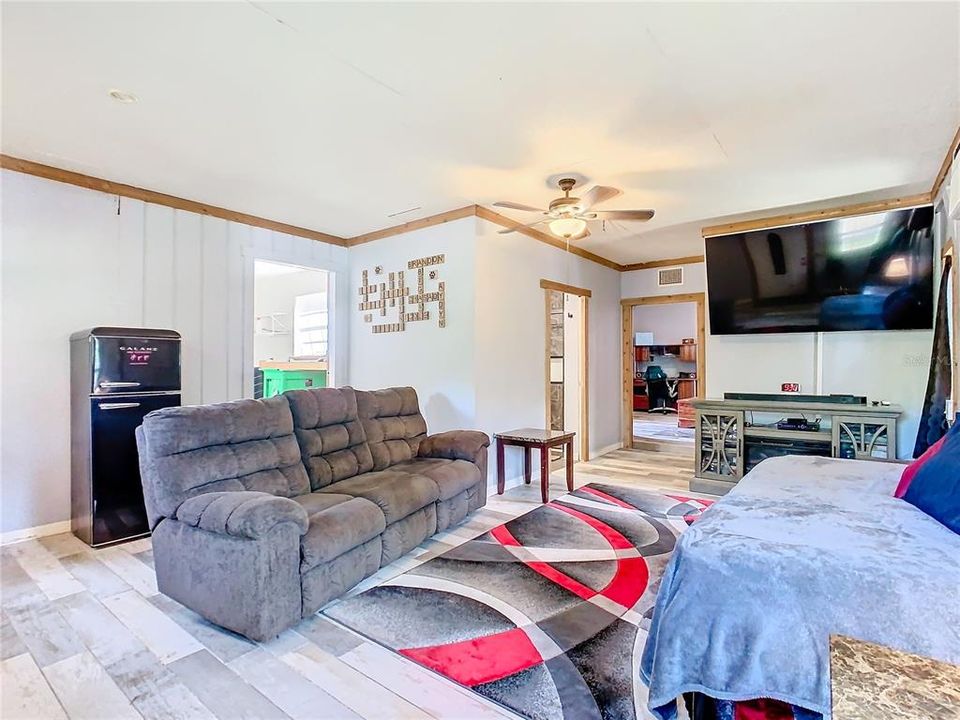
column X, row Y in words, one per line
column 670, row 276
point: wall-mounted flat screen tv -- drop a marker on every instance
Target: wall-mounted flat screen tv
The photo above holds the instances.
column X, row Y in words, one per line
column 867, row 272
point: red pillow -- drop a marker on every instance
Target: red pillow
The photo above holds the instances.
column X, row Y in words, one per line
column 913, row 468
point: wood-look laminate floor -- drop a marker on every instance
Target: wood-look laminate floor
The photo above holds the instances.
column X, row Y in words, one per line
column 85, row 633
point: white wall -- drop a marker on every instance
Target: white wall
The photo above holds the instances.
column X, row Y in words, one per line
column 70, row 262
column 438, row 362
column 670, row 324
column 485, row 369
column 511, row 337
column 881, row 365
column 278, row 294
column 643, row 283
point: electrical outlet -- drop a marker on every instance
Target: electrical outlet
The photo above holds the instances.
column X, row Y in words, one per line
column 915, row 360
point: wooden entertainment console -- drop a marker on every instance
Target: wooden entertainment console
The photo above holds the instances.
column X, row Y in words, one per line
column 734, row 435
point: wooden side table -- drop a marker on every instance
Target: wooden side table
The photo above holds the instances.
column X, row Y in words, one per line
column 529, row 438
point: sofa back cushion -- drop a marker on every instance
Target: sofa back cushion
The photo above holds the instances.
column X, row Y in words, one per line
column 392, row 421
column 240, row 445
column 332, row 439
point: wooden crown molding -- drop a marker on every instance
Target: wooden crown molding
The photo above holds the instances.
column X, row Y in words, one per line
column 815, row 215
column 484, row 214
column 564, row 288
column 546, row 238
column 429, row 221
column 945, row 166
column 110, row 187
column 114, row 188
column 669, row 262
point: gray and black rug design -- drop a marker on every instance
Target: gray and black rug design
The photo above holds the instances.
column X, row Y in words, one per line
column 546, row 614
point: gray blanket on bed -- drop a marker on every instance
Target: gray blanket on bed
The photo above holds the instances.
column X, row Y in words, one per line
column 801, row 549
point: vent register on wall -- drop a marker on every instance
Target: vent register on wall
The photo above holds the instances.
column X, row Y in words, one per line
column 118, row 375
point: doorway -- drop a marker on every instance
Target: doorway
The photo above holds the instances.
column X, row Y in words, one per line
column 291, row 328
column 566, row 366
column 664, row 367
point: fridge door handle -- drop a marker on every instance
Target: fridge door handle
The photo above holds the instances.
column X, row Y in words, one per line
column 118, row 384
column 118, row 406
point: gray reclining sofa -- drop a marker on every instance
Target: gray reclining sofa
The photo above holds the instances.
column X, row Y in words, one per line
column 263, row 511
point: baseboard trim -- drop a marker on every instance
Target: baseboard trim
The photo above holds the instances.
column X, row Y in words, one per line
column 15, row 536
column 604, row 450
column 517, row 480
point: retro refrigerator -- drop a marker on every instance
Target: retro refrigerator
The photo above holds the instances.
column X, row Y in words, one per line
column 118, row 375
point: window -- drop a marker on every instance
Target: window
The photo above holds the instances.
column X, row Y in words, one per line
column 310, row 324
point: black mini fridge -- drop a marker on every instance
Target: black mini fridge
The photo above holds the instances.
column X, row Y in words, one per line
column 117, row 376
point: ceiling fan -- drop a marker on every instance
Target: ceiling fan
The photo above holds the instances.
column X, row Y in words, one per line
column 567, row 216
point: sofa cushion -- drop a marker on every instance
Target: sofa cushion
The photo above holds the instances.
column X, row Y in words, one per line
column 332, row 439
column 347, row 522
column 397, row 494
column 451, row 476
column 240, row 445
column 455, row 445
column 393, row 424
column 241, row 513
column 935, row 488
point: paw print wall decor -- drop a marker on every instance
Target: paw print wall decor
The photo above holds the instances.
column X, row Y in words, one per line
column 394, row 302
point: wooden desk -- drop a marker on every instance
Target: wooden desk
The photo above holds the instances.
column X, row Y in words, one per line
column 529, row 438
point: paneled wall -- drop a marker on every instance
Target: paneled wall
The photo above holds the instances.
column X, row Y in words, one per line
column 74, row 258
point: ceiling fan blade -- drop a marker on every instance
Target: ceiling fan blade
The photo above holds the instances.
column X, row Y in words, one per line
column 640, row 215
column 598, row 194
column 584, row 234
column 517, row 206
column 507, row 231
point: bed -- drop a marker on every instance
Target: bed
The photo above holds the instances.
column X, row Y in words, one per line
column 801, row 548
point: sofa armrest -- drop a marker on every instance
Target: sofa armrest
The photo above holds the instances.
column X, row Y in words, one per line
column 241, row 513
column 454, row 445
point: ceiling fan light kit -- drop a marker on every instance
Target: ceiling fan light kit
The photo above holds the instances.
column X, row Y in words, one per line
column 567, row 216
column 567, row 227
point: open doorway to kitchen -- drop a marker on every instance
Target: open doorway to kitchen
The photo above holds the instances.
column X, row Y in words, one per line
column 664, row 369
column 291, row 328
column 566, row 366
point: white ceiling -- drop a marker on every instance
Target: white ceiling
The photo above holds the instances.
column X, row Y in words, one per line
column 333, row 116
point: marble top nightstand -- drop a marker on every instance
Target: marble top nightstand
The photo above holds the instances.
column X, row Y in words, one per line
column 870, row 682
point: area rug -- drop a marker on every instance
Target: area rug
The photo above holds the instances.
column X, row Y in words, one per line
column 546, row 614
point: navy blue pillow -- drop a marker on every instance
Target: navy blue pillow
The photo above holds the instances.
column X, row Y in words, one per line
column 935, row 488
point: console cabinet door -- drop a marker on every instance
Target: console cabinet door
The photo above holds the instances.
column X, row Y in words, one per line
column 719, row 444
column 859, row 437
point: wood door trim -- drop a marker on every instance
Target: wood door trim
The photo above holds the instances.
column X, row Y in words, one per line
column 110, row 187
column 584, row 378
column 815, row 215
column 948, row 160
column 669, row 262
column 569, row 289
column 663, row 299
column 626, row 349
column 546, row 357
column 584, row 364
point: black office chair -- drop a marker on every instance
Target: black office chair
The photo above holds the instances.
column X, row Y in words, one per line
column 661, row 391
